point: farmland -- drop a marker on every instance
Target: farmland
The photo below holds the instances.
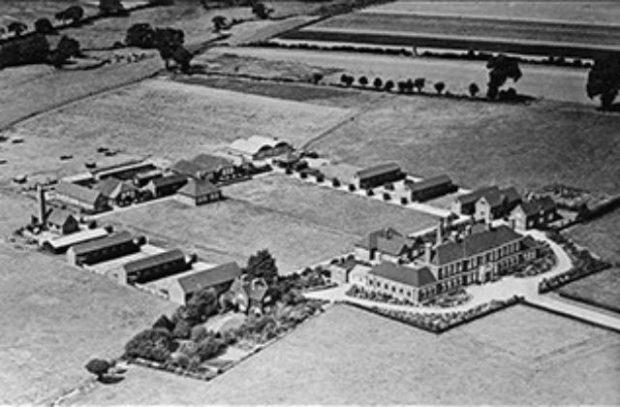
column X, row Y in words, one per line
column 600, row 289
column 598, row 12
column 480, row 143
column 300, row 224
column 601, row 236
column 158, row 117
column 343, row 357
column 539, row 81
column 523, row 37
column 56, row 317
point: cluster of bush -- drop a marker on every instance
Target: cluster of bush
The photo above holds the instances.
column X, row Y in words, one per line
column 450, row 299
column 542, row 264
column 346, row 7
column 182, row 343
column 441, row 322
column 584, row 264
column 168, row 41
column 360, row 292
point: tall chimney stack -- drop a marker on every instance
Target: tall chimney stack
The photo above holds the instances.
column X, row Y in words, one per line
column 42, row 206
column 439, row 236
column 427, row 253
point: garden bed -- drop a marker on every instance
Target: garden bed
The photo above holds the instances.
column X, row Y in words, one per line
column 440, row 322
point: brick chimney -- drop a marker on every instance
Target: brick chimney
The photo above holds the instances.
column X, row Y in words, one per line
column 427, row 253
column 42, row 206
column 439, row 236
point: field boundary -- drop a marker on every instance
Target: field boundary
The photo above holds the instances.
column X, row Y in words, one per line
column 569, row 316
column 587, row 301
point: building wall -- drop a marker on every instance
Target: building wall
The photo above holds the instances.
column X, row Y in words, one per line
column 156, row 272
column 101, row 255
column 395, row 289
column 432, row 192
column 379, row 180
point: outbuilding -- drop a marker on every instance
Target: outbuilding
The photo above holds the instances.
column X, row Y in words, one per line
column 535, row 213
column 154, row 267
column 378, row 175
column 166, row 185
column 62, row 221
column 104, row 249
column 431, row 188
column 88, row 200
column 199, row 192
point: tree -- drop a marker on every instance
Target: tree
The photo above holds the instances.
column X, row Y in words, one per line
column 140, row 35
column 73, row 14
column 439, row 87
column 182, row 329
column 473, row 89
column 201, row 306
column 33, row 49
column 210, row 347
column 44, row 26
column 167, row 41
column 67, row 48
column 183, row 58
column 347, row 80
column 352, row 187
column 335, row 182
column 501, row 68
column 389, row 85
column 377, row 83
column 98, row 367
column 164, row 322
column 219, row 23
column 262, row 265
column 17, row 28
column 112, row 8
column 363, row 81
column 402, row 86
column 151, row 344
column 419, row 84
column 261, row 11
column 316, row 77
column 604, row 80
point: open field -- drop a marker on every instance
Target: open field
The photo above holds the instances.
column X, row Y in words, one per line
column 602, row 236
column 482, row 143
column 28, row 11
column 599, row 289
column 348, row 356
column 454, row 32
column 234, row 230
column 159, row 117
column 55, row 317
column 575, row 11
column 554, row 83
column 327, row 207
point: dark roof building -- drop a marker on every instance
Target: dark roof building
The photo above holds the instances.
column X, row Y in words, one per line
column 155, row 266
column 379, row 175
column 188, row 169
column 82, row 197
column 211, row 163
column 212, row 277
column 534, row 213
column 62, row 221
column 166, row 185
column 430, row 188
column 386, row 241
column 107, row 248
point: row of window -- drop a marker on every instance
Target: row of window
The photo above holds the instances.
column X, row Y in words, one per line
column 468, row 264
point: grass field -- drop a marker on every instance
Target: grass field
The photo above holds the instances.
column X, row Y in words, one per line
column 349, row 356
column 300, row 224
column 481, row 143
column 602, row 236
column 600, row 289
column 539, row 81
column 159, row 117
column 597, row 12
column 55, row 318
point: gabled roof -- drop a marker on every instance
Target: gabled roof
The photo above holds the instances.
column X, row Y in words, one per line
column 377, row 170
column 253, row 144
column 103, row 243
column 108, row 186
column 78, row 192
column 405, row 275
column 474, row 244
column 430, row 183
column 210, row 163
column 497, row 198
column 154, row 261
column 168, row 180
column 472, row 197
column 208, row 278
column 188, row 168
column 387, row 240
column 197, row 188
column 535, row 206
column 59, row 216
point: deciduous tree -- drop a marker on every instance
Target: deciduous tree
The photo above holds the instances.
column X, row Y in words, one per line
column 501, row 68
column 604, row 80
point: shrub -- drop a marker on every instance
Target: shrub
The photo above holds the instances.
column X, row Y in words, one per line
column 335, row 182
column 44, row 26
column 197, row 333
column 439, row 87
column 98, row 367
column 363, row 81
column 151, row 344
column 404, row 201
column 288, row 171
column 303, row 175
column 419, row 84
column 386, row 196
column 210, row 347
column 370, row 192
column 352, row 187
column 164, row 322
column 181, row 330
column 377, row 83
column 389, row 85
column 320, row 178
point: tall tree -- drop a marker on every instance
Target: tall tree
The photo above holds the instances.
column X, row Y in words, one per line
column 44, row 26
column 439, row 87
column 473, row 89
column 419, row 84
column 260, row 10
column 219, row 23
column 501, row 68
column 17, row 28
column 604, row 80
column 262, row 264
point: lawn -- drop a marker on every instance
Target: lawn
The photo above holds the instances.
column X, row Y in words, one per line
column 600, row 289
column 601, row 236
column 55, row 317
column 159, row 117
column 234, row 230
column 483, row 143
column 597, row 12
column 348, row 356
column 332, row 209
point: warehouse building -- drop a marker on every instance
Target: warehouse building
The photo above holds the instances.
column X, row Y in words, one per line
column 378, row 175
column 86, row 199
column 431, row 188
column 154, row 267
column 108, row 248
